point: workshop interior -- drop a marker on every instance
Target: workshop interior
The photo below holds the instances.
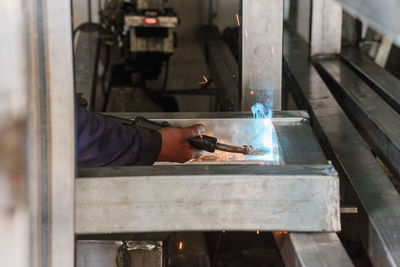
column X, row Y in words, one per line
column 300, row 100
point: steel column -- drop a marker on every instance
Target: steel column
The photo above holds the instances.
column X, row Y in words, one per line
column 326, row 27
column 261, row 61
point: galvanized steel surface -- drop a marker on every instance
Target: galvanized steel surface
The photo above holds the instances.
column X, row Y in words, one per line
column 312, row 250
column 175, row 199
column 215, row 197
column 261, row 60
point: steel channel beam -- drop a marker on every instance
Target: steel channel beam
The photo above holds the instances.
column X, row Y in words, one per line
column 261, row 60
column 379, row 211
column 382, row 81
column 312, row 250
column 202, row 198
column 379, row 123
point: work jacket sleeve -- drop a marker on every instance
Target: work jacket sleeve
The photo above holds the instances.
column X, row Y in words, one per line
column 105, row 142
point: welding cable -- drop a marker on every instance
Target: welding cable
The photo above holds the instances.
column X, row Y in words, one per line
column 216, row 248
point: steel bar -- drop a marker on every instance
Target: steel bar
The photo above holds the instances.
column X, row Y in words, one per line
column 191, row 198
column 261, row 61
column 312, row 250
column 382, row 81
column 379, row 211
column 379, row 123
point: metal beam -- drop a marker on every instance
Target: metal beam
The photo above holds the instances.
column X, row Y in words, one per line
column 201, row 197
column 382, row 81
column 54, row 134
column 377, row 222
column 379, row 123
column 326, row 27
column 312, row 250
column 261, row 60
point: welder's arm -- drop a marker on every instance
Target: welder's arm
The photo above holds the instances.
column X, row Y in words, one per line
column 104, row 142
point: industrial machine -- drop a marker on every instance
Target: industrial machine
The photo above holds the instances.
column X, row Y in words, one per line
column 145, row 30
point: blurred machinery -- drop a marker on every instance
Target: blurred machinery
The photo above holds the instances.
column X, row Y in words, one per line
column 145, row 31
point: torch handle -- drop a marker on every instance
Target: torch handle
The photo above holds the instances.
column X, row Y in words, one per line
column 202, row 142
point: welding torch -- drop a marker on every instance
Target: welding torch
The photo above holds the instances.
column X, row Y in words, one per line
column 202, row 142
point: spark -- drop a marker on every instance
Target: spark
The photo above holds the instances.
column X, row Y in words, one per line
column 205, row 80
column 223, row 231
column 252, row 92
column 237, row 19
column 180, row 246
column 258, row 232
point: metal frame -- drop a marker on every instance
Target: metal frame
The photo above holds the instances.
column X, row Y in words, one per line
column 39, row 107
column 261, row 58
column 188, row 197
column 367, row 184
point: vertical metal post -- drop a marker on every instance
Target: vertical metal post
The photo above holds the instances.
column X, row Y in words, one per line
column 261, row 60
column 51, row 136
column 326, row 27
column 62, row 131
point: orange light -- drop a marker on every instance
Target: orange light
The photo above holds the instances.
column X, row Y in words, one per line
column 150, row 20
column 252, row 92
column 237, row 19
column 257, row 232
column 180, row 246
column 205, row 80
column 223, row 231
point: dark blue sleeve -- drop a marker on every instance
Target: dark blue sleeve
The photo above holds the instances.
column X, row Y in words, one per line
column 105, row 142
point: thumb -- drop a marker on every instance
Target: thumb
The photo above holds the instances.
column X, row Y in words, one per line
column 193, row 131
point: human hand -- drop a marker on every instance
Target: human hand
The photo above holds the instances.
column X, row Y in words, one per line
column 175, row 147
